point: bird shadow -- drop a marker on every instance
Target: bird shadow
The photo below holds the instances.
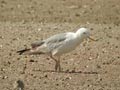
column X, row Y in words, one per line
column 72, row 72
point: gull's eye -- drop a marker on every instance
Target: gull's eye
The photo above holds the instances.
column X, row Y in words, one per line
column 84, row 32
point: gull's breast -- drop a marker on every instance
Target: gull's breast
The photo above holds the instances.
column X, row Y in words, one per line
column 66, row 47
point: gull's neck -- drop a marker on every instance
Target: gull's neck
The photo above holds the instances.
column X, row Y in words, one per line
column 79, row 37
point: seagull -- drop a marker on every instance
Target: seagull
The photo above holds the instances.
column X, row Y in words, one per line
column 58, row 44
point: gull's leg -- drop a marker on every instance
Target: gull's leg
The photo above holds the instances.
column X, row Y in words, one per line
column 56, row 66
column 59, row 66
column 57, row 63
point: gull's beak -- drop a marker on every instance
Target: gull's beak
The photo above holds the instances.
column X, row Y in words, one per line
column 92, row 38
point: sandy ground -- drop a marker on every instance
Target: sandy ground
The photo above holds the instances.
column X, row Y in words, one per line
column 92, row 66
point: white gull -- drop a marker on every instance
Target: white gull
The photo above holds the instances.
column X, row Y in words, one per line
column 57, row 45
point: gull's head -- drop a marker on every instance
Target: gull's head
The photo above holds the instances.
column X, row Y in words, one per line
column 83, row 33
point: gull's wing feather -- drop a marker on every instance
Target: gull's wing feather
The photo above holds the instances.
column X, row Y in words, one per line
column 56, row 38
column 55, row 41
column 52, row 40
column 37, row 44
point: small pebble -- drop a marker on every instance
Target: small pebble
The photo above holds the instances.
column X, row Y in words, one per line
column 1, row 37
column 57, row 84
column 103, row 50
column 45, row 82
column 4, row 77
column 98, row 66
column 2, row 69
column 90, row 58
column 1, row 76
column 1, row 46
column 10, row 54
column 89, row 85
column 67, row 70
column 39, row 29
column 116, row 46
column 9, row 62
column 86, row 66
column 31, row 60
column 34, row 76
column 73, row 71
column 100, row 79
column 91, row 29
column 18, row 58
column 48, row 58
column 46, row 75
column 68, row 78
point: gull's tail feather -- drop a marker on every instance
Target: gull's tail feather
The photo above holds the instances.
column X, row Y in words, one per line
column 29, row 52
column 23, row 51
